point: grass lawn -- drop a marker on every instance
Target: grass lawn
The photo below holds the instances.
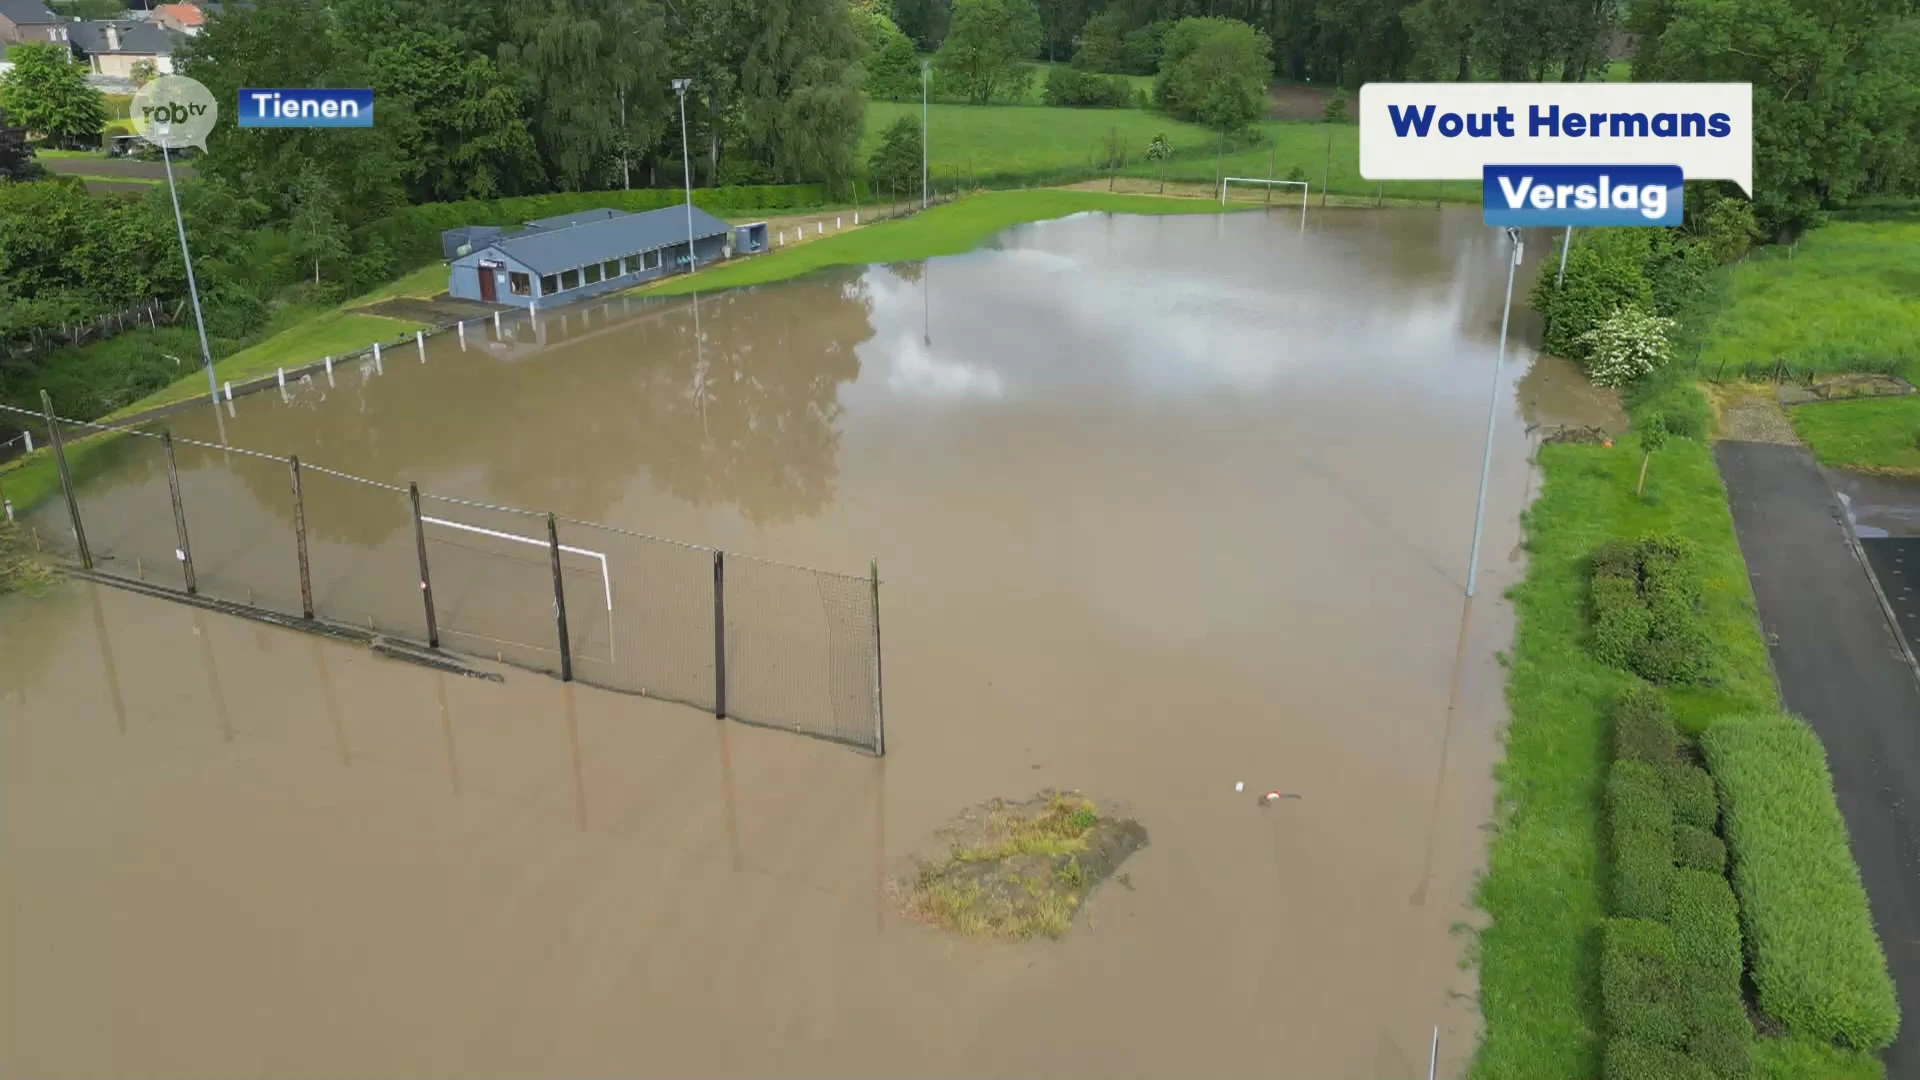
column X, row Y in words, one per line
column 1843, row 299
column 1880, row 434
column 322, row 333
column 1539, row 958
column 1011, row 144
column 949, row 229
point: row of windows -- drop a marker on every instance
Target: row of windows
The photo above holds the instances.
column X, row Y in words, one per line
column 591, row 274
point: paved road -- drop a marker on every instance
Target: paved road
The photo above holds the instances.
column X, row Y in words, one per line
column 1841, row 668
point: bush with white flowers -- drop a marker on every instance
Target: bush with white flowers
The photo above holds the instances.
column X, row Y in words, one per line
column 1627, row 346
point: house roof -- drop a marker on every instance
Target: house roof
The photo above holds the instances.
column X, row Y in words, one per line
column 601, row 236
column 27, row 12
column 136, row 38
column 564, row 221
column 185, row 14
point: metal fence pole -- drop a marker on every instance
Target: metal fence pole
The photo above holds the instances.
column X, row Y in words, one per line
column 559, row 599
column 426, row 581
column 719, row 635
column 66, row 479
column 879, row 702
column 300, row 539
column 179, row 514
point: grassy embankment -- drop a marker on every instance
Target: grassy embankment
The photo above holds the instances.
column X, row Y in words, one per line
column 1842, row 300
column 1007, row 145
column 948, row 229
column 1832, row 306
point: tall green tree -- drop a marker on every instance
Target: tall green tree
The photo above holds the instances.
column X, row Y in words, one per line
column 292, row 43
column 893, row 70
column 315, row 234
column 598, row 74
column 1102, row 43
column 925, row 21
column 1060, row 22
column 1215, row 72
column 801, row 107
column 46, row 92
column 986, row 48
column 457, row 119
column 895, row 164
column 1829, row 102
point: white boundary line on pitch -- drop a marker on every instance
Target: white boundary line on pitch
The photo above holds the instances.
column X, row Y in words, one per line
column 606, row 581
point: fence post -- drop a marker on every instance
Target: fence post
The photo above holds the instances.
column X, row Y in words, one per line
column 179, row 514
column 300, row 539
column 420, row 342
column 879, row 702
column 66, row 479
column 559, row 599
column 426, row 582
column 719, row 634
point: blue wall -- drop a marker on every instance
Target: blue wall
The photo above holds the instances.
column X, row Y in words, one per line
column 463, row 278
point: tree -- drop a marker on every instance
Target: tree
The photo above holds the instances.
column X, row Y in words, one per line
column 1626, row 347
column 985, row 47
column 598, row 74
column 456, row 119
column 47, row 93
column 1103, row 43
column 800, row 104
column 893, row 71
column 1215, row 72
column 143, row 72
column 895, row 164
column 1831, row 103
column 1160, row 150
column 1652, row 429
column 1060, row 20
column 314, row 233
column 924, row 21
column 16, row 153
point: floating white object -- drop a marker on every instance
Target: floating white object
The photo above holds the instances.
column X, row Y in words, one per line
column 1239, row 785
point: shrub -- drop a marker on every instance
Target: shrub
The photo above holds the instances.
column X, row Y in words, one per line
column 1639, row 991
column 1646, row 619
column 1706, row 931
column 1719, row 1037
column 1642, row 728
column 1697, row 849
column 1076, row 89
column 1816, row 963
column 1640, row 823
column 1631, row 1059
column 1694, row 802
column 1627, row 346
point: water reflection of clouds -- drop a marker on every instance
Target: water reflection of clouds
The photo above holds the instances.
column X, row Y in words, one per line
column 1082, row 308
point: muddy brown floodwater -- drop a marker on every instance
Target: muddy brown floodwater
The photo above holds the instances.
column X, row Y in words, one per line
column 1160, row 505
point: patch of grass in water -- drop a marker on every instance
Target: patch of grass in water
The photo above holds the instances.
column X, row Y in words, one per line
column 1022, row 870
column 21, row 569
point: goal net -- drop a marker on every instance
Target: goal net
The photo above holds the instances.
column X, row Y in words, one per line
column 1270, row 190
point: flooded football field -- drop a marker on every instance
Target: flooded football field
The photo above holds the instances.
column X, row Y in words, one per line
column 1159, row 506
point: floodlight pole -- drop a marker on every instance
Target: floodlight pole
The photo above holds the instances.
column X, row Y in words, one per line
column 686, row 164
column 923, row 134
column 193, row 290
column 1493, row 402
column 1565, row 243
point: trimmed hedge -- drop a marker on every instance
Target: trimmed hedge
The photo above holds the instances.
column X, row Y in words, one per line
column 1718, row 1034
column 1631, row 1059
column 1706, row 931
column 1640, row 819
column 1694, row 801
column 1643, row 729
column 1815, row 960
column 1698, row 849
column 1646, row 610
column 1640, row 983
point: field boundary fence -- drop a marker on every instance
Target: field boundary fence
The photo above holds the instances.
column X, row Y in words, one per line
column 761, row 642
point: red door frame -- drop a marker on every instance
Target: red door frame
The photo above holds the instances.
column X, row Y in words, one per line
column 489, row 285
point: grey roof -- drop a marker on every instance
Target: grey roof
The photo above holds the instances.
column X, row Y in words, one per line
column 564, row 221
column 27, row 12
column 136, row 38
column 551, row 250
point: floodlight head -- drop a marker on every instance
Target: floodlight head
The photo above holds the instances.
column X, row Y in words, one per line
column 680, row 86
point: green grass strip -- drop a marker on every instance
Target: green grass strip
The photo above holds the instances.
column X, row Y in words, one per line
column 948, row 229
column 1539, row 965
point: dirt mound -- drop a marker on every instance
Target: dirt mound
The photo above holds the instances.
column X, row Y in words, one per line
column 1021, row 870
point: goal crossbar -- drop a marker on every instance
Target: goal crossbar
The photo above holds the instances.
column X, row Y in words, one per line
column 1304, row 186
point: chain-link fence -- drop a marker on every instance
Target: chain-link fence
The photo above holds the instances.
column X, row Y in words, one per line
column 795, row 649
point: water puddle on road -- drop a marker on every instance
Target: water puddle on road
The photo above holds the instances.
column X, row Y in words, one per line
column 1159, row 504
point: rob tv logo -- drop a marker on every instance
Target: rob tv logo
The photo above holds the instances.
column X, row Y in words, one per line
column 1556, row 195
column 172, row 112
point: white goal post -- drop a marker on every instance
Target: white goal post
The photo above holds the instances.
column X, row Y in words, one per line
column 606, row 579
column 1303, row 185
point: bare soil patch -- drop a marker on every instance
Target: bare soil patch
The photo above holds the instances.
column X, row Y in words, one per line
column 1750, row 412
column 1020, row 870
column 1292, row 101
column 1844, row 387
